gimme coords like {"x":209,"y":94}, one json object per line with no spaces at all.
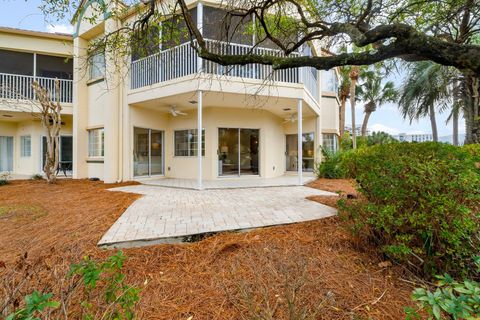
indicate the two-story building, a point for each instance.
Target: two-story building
{"x":25,"y":57}
{"x":143,"y":120}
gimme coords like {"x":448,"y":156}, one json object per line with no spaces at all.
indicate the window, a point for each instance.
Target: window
{"x":96,"y":145}
{"x":186,"y":143}
{"x":97,"y":65}
{"x":25,"y":146}
{"x":330,"y":81}
{"x":330,"y":142}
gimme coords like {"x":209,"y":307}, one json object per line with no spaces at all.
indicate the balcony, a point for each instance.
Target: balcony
{"x":182,"y":60}
{"x":19,"y":87}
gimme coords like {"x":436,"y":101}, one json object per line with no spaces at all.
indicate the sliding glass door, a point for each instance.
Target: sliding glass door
{"x":238,"y":151}
{"x":147,"y":152}
{"x":66,"y":153}
{"x":6,"y":153}
{"x":307,"y":151}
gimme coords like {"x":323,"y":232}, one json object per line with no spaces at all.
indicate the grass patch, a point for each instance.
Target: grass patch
{"x":22,"y":210}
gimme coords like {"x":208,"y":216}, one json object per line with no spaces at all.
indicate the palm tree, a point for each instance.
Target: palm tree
{"x":343,"y":93}
{"x":353,"y":75}
{"x":375,"y":94}
{"x":426,"y":86}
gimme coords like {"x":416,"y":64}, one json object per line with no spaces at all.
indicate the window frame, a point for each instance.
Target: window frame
{"x":24,"y":154}
{"x":191,"y":152}
{"x":94,"y":71}
{"x":101,"y":154}
{"x":332,"y":141}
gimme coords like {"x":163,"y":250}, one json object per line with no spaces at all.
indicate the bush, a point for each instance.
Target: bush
{"x":97,"y":290}
{"x":421,"y":204}
{"x":451,"y":298}
{"x":4,"y":177}
{"x":37,"y":176}
{"x":330,"y":167}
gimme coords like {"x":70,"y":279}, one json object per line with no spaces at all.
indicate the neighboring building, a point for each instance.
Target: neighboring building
{"x":26,"y":56}
{"x":358,"y":130}
{"x":146,"y":124}
{"x":415,"y":137}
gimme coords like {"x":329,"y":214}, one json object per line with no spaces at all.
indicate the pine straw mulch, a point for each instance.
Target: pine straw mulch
{"x":316,"y":266}
{"x":344,"y":188}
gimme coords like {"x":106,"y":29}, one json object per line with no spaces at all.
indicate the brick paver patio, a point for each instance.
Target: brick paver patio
{"x":168,"y":214}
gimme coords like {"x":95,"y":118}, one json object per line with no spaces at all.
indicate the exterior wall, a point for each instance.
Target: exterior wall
{"x":25,"y":41}
{"x":330,"y":114}
{"x":33,"y":128}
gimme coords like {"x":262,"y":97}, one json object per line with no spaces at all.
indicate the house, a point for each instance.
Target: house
{"x":141,"y":119}
{"x":25,"y":57}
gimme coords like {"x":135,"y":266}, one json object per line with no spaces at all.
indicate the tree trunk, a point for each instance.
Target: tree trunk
{"x":353,"y":86}
{"x":343,"y":102}
{"x":471,"y":96}
{"x":365,"y":123}
{"x":433,"y":121}
{"x":455,"y":126}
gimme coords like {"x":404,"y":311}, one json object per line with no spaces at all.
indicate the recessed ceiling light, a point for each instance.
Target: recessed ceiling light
{"x":7,"y":115}
{"x":193,"y":101}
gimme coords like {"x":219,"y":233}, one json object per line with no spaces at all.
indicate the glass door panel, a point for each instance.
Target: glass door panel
{"x":308,"y":147}
{"x":228,"y":151}
{"x":140,"y":151}
{"x":249,"y":140}
{"x":156,"y":153}
{"x":308,"y":152}
{"x":292,"y":152}
{"x":6,"y":154}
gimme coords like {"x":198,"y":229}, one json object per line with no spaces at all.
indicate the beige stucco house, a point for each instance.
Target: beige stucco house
{"x":140,"y":119}
{"x":27,"y":56}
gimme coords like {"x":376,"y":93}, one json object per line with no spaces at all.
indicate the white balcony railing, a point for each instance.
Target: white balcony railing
{"x":182,"y":60}
{"x":19,"y":87}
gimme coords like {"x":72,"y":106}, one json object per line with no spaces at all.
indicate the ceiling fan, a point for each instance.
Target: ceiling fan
{"x":175,"y":112}
{"x":292,"y":118}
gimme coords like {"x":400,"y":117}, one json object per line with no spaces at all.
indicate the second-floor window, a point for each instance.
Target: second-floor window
{"x":25,"y":146}
{"x":186,"y":143}
{"x":97,"y":66}
{"x":96,"y":145}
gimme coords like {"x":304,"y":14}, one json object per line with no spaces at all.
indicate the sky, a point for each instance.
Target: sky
{"x":26,"y":15}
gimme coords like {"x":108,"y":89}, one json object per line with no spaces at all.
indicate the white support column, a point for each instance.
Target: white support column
{"x":200,"y":28}
{"x":199,"y":138}
{"x":300,"y":140}
{"x":34,"y":66}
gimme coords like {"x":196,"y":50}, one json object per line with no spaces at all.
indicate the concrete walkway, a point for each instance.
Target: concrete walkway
{"x":166,"y":215}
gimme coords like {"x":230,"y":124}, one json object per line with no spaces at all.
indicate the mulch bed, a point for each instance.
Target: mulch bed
{"x":344,"y":188}
{"x":217,"y":278}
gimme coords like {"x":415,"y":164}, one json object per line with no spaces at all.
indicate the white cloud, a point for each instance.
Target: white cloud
{"x":380,"y":127}
{"x":60,"y":28}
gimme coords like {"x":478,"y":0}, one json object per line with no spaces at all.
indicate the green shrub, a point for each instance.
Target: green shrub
{"x":421,"y":204}
{"x":473,"y":150}
{"x":330,"y":167}
{"x":4,"y":177}
{"x":104,"y":294}
{"x":37,"y":176}
{"x":451,"y":299}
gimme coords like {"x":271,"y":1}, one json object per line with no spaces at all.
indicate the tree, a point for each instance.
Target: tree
{"x":382,"y":29}
{"x":426,"y":87}
{"x":380,"y":137}
{"x":343,"y":93}
{"x":45,"y":106}
{"x":353,"y":75}
{"x":374,"y":93}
